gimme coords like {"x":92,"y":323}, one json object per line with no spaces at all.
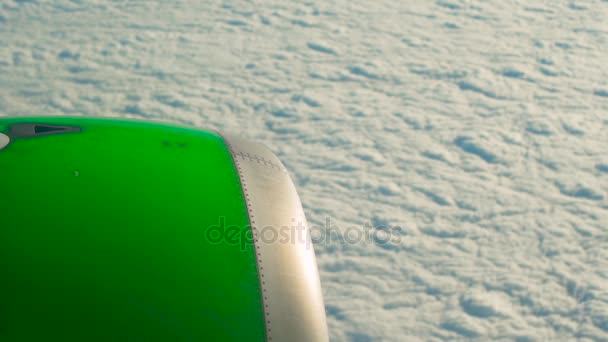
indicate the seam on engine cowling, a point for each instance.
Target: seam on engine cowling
{"x":260,"y":160}
{"x":254,"y":230}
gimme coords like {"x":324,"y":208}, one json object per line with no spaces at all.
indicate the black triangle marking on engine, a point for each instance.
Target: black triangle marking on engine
{"x":29,"y":130}
{"x":48,"y":129}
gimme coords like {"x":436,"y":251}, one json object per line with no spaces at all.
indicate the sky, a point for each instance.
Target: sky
{"x":467,"y":138}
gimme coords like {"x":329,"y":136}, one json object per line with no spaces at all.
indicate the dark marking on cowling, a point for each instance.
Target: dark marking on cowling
{"x":31,"y":130}
{"x":166,"y":143}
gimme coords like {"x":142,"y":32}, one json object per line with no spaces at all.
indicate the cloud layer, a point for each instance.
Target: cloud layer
{"x":474,"y":131}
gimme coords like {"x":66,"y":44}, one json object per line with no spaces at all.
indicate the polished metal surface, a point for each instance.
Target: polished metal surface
{"x":4,"y":140}
{"x":293,"y":303}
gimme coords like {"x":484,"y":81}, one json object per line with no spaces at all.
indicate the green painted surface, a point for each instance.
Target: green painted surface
{"x":102,"y":236}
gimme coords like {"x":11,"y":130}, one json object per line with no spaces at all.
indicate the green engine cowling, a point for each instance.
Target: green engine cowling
{"x":120,"y":230}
